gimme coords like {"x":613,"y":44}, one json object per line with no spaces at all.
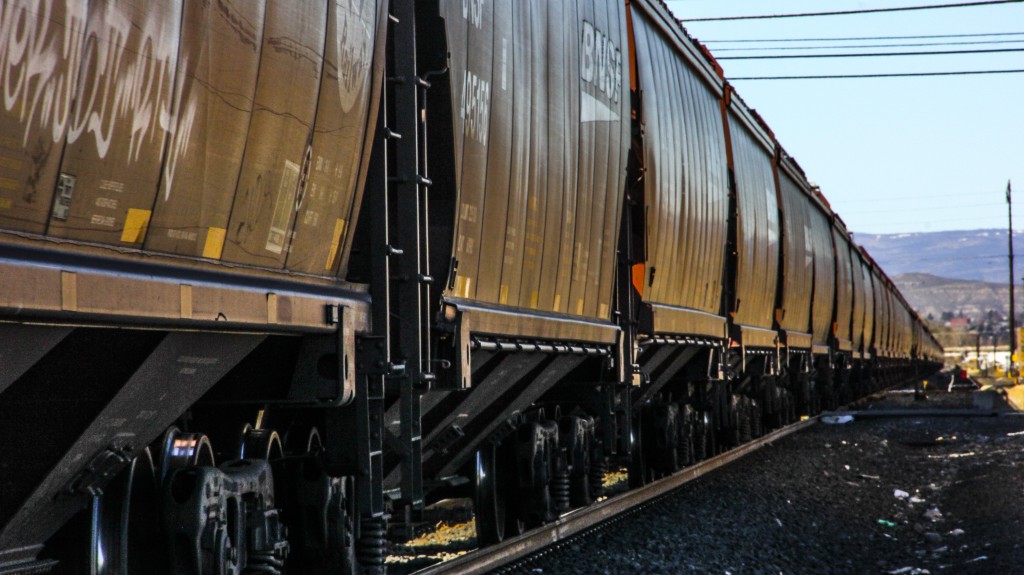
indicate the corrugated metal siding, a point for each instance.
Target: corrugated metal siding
{"x":115,"y":143}
{"x":883,"y":314}
{"x":541,"y":113}
{"x":32,"y":137}
{"x":757,"y":229}
{"x":191,"y":126}
{"x":797,"y":256}
{"x":279,"y":131}
{"x":686,"y":179}
{"x":869,"y":304}
{"x":844,"y":286}
{"x":859,"y":294}
{"x":824,"y":275}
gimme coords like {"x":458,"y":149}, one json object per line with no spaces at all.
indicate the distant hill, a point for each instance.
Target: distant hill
{"x":930,"y":294}
{"x":969,"y":255}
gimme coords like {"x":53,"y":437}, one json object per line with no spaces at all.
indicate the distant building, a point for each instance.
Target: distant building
{"x":960,"y":323}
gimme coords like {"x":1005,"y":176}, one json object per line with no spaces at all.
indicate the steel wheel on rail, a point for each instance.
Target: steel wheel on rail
{"x":125,"y":533}
{"x":319,"y":509}
{"x":181,"y":450}
{"x":489,"y":501}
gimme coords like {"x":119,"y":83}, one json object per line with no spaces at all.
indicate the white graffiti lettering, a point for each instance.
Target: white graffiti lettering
{"x":34,"y":83}
{"x":601,"y":62}
{"x":126,"y":80}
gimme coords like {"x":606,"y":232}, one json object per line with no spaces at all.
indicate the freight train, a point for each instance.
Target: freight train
{"x":274,"y":276}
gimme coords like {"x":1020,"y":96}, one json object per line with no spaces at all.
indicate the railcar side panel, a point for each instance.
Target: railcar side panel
{"x":757,"y":243}
{"x":504,"y":88}
{"x":124,"y":106}
{"x":844,"y":288}
{"x":340,"y":142}
{"x":220,"y":52}
{"x":278,"y":145}
{"x":857,"y":293}
{"x":824,"y":275}
{"x":870,"y":308}
{"x":685,"y":178}
{"x":797,"y":256}
{"x":37,"y":105}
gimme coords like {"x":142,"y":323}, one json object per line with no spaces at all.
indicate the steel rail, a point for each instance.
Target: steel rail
{"x":577,"y":521}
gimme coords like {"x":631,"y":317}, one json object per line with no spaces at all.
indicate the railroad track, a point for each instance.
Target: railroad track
{"x":580,"y":521}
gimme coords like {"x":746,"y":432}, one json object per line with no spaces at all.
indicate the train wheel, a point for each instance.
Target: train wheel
{"x":319,"y":509}
{"x":125,"y":534}
{"x":181,"y":450}
{"x":684,"y":453}
{"x":576,"y":436}
{"x":489,"y":505}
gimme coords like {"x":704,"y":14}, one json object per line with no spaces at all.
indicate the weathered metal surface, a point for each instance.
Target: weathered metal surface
{"x":757,"y":228}
{"x":867,"y":295}
{"x":824,"y":273}
{"x":844,"y":294}
{"x":32,"y":135}
{"x":230,"y":130}
{"x":191,"y":210}
{"x":857,"y":294}
{"x":685,"y":182}
{"x":120,"y":123}
{"x":275,"y":157}
{"x":541,"y":118}
{"x":797,"y":255}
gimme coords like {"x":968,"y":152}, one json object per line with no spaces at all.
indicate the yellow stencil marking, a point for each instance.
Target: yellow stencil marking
{"x":503,"y":298}
{"x":135,"y":224}
{"x":579,"y":306}
{"x":558,"y":303}
{"x":534,"y":297}
{"x":602,"y":311}
{"x":339,"y":229}
{"x":462,"y":285}
{"x":214,"y":245}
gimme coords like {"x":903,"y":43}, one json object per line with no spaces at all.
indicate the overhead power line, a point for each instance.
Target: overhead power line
{"x":861,"y":38}
{"x":852,"y":12}
{"x":898,"y":75}
{"x":872,"y":54}
{"x":863,"y":46}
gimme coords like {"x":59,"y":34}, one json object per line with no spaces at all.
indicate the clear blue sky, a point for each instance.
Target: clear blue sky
{"x":896,"y":154}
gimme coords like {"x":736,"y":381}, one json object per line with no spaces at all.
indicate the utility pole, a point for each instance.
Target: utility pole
{"x":1013,"y":321}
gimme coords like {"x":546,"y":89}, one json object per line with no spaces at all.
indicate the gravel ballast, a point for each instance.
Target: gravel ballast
{"x":899,"y":495}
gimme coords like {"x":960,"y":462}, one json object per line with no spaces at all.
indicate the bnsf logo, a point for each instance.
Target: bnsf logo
{"x":600,"y":62}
